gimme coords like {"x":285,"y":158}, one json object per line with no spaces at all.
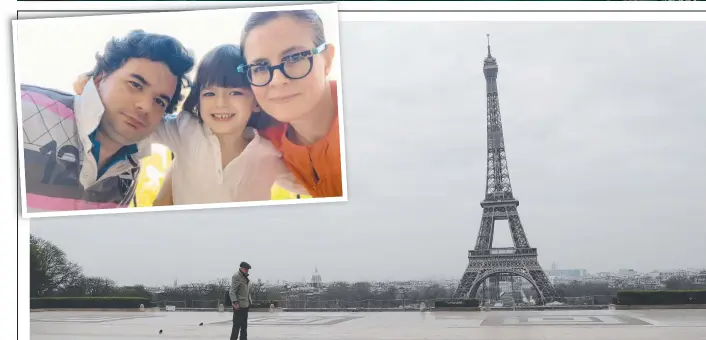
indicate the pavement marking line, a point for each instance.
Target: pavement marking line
{"x":88,"y":318}
{"x":564,"y":320}
{"x":319,"y":320}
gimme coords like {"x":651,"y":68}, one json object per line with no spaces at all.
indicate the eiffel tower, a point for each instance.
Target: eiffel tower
{"x":486,"y":262}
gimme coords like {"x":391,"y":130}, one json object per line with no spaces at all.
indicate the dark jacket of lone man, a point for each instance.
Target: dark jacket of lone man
{"x":240,"y":290}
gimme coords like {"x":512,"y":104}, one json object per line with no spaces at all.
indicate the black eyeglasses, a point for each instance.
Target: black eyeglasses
{"x":293,"y":66}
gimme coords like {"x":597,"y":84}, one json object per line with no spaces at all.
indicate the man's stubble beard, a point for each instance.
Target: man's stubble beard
{"x":109,"y":130}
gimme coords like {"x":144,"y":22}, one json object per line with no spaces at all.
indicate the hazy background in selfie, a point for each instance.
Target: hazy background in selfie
{"x":53,"y":52}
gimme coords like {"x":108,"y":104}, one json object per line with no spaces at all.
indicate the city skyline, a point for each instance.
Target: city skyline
{"x":600,"y":159}
{"x":453,"y":280}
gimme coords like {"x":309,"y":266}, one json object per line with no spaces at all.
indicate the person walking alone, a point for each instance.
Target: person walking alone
{"x":241,"y":300}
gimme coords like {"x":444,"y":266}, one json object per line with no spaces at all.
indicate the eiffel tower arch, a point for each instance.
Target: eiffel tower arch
{"x":500,"y":272}
{"x":501,"y":262}
{"x":485,"y":262}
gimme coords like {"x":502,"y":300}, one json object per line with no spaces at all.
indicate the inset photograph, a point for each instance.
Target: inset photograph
{"x":197,"y":109}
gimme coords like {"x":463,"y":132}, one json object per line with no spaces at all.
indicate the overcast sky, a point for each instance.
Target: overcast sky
{"x":207,"y":30}
{"x":604,"y":125}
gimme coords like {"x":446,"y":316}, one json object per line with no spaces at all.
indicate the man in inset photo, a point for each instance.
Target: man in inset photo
{"x":83,"y":151}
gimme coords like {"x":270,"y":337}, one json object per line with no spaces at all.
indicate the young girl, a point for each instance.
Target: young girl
{"x":287,"y":64}
{"x":219,"y":155}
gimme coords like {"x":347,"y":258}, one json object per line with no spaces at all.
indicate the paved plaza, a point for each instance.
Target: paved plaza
{"x":529,"y":325}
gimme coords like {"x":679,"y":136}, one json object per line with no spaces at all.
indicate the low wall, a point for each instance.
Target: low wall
{"x":541,"y":308}
{"x":642,"y":307}
{"x":154,"y":309}
{"x":456,"y":309}
{"x":226,"y":309}
{"x":350,"y":310}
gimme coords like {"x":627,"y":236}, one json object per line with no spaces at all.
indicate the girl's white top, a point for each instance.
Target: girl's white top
{"x":198,"y":176}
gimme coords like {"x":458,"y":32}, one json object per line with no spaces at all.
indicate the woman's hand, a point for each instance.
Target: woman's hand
{"x":80,"y":83}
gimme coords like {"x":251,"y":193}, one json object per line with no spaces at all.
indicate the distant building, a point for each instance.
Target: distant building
{"x":673,"y":274}
{"x":568,"y":273}
{"x":700,"y":279}
{"x":627,"y":272}
{"x":316,"y":282}
{"x":654,"y":274}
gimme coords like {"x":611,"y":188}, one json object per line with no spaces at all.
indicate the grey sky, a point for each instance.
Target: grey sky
{"x":604,"y":125}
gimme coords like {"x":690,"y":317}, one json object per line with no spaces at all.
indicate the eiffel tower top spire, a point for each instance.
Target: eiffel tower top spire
{"x":489,"y":55}
{"x":490,"y":66}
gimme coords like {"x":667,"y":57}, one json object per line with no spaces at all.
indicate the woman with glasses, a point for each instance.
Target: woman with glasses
{"x":287,"y":64}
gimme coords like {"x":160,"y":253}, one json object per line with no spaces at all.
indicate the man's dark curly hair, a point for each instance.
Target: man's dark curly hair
{"x":155,"y":47}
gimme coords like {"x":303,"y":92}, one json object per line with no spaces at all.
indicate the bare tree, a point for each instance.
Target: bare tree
{"x":50,"y":270}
